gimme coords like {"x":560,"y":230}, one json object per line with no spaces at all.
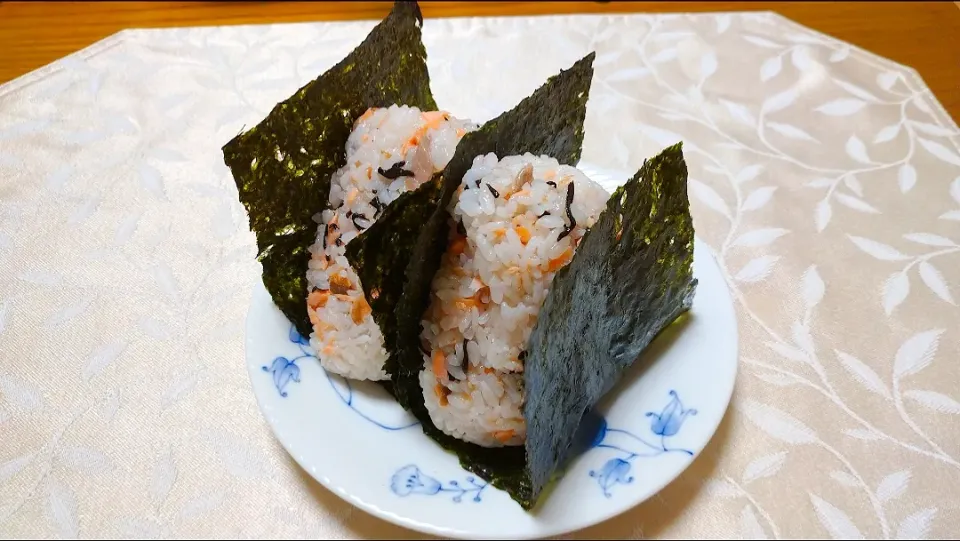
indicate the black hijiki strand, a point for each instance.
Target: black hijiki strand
{"x":493,"y":191}
{"x":377,"y":206}
{"x":477,"y":183}
{"x":522,"y":356}
{"x":552,"y":183}
{"x":325,"y":229}
{"x":545,"y":213}
{"x":349,"y":214}
{"x":355,"y":224}
{"x":396,"y":171}
{"x":466,"y":360}
{"x":338,"y":242}
{"x":573,"y":223}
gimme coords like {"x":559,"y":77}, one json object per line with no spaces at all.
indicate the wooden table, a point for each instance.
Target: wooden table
{"x":924,"y":35}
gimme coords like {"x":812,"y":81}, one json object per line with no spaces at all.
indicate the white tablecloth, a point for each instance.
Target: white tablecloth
{"x":827,"y":181}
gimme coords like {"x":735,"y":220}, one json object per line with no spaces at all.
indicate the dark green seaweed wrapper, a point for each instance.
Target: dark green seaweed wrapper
{"x":282,"y":166}
{"x":630,"y":277}
{"x":381,"y":253}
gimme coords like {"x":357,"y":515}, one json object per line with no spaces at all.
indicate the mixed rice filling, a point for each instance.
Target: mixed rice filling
{"x":390,"y":151}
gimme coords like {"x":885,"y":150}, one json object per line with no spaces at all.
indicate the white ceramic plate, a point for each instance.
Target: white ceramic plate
{"x":356,"y":441}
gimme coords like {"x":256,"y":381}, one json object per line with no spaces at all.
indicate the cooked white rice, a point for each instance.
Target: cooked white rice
{"x":492,"y":282}
{"x":386,"y":146}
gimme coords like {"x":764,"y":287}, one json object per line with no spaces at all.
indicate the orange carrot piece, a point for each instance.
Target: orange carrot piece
{"x":523,"y":233}
{"x":434,"y":119}
{"x":359,"y":310}
{"x":318,"y":298}
{"x":439,"y":365}
{"x":466,"y":304}
{"x":442,"y":393}
{"x":558,"y":262}
{"x":339,"y":285}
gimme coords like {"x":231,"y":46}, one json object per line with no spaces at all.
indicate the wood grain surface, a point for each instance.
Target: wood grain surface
{"x":923,"y":35}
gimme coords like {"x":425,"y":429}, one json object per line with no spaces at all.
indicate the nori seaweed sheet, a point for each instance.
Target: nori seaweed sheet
{"x":282,"y":166}
{"x":380,"y":253}
{"x":400,"y":264}
{"x":630,"y":278}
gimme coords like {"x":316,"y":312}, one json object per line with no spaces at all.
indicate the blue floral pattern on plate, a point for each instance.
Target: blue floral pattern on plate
{"x":410,"y":480}
{"x":285,"y":370}
{"x":664,"y":425}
